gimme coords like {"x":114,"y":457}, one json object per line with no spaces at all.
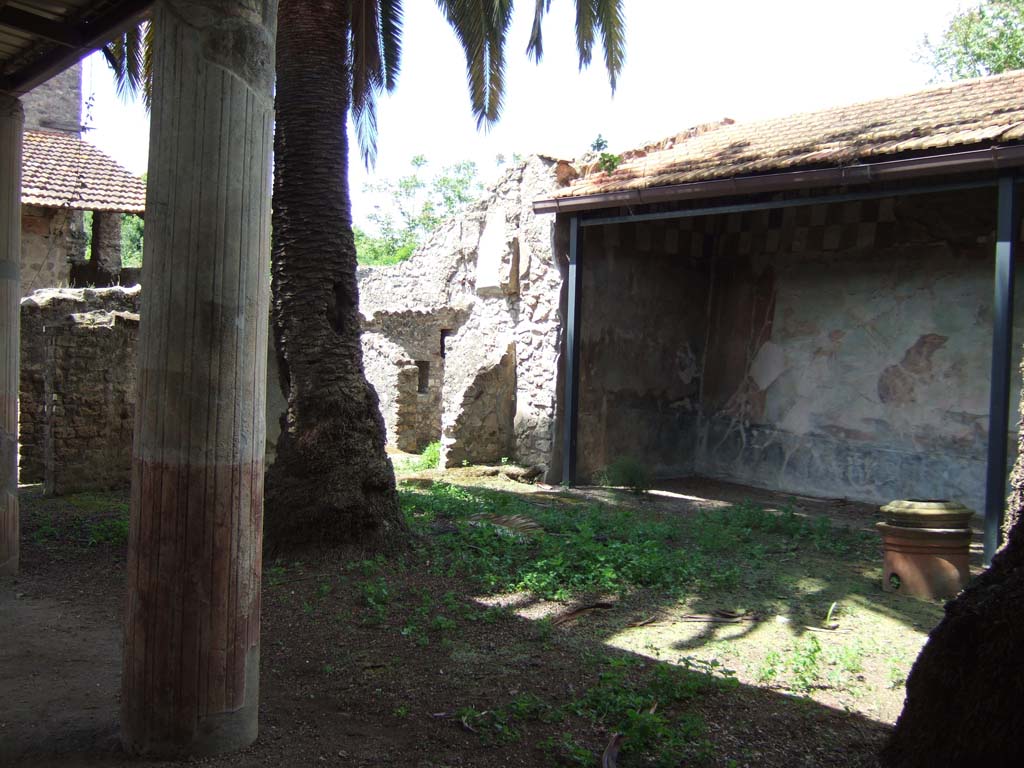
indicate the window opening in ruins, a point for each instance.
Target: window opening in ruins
{"x":445,"y":333}
{"x":424,"y":381}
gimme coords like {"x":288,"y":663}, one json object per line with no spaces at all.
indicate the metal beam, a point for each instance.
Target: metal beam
{"x":1002,"y":346}
{"x":49,"y":29}
{"x":985,"y":160}
{"x":572,"y":355}
{"x":769,"y":205}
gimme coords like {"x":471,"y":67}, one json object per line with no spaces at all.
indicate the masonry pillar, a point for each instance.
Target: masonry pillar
{"x":12,"y":119}
{"x":190,"y":683}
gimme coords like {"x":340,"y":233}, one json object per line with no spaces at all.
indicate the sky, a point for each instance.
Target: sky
{"x":687,"y":63}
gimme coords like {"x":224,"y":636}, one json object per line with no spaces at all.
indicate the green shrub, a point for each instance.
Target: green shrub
{"x":430,"y":457}
{"x":626,"y":472}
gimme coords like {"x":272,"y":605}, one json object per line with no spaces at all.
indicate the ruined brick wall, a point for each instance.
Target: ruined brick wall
{"x":404,"y":355}
{"x":90,"y":390}
{"x":382,"y":363}
{"x":490,"y":279}
{"x":51,"y":239}
{"x":40,"y":310}
{"x":103,"y":267}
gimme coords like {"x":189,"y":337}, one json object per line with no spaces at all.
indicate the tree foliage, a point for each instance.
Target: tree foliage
{"x":131,"y":240}
{"x":413,"y":207}
{"x":984,"y":40}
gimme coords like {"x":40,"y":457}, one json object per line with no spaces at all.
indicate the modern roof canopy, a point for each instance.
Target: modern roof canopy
{"x":40,"y":38}
{"x":970,"y":126}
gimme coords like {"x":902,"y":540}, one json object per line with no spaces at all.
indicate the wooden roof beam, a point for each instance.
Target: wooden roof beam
{"x":40,"y":26}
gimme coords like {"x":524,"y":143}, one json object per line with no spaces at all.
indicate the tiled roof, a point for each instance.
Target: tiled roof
{"x":60,"y":169}
{"x":966,"y":115}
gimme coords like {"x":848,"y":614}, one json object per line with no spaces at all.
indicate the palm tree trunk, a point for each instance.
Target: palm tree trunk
{"x":331,"y":483}
{"x":11,"y":122}
{"x":190,"y":682}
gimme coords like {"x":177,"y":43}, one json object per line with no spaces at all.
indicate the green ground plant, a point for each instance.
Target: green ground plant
{"x":94,"y":518}
{"x":377,"y":597}
{"x":626,"y":472}
{"x":429,"y":458}
{"x":597,"y":549}
{"x":815,"y":622}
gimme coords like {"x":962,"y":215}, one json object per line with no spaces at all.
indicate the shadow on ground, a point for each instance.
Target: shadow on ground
{"x":423,"y":674}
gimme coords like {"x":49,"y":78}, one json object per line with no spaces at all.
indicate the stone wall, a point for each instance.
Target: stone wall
{"x":847,"y":347}
{"x":404,"y":358}
{"x":41,"y":310}
{"x":90,"y":401}
{"x":857,"y":362}
{"x":489,"y":279}
{"x":644,"y":314}
{"x":56,"y":104}
{"x":51,"y":240}
{"x":103,"y":267}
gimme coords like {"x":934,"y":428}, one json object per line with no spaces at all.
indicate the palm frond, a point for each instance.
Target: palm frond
{"x":612,"y":21}
{"x":481,"y":27}
{"x":535,"y":47}
{"x":519,"y":524}
{"x":375,"y":33}
{"x":129,"y":55}
{"x":148,"y":42}
{"x":391,"y":40}
{"x":585,"y":21}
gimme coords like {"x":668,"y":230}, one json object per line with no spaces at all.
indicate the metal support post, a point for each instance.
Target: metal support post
{"x":1002,"y":343}
{"x":572,"y":355}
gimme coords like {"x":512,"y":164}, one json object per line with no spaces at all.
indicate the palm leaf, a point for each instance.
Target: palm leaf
{"x":535,"y":47}
{"x":612,"y":22}
{"x":129,"y":55}
{"x":585,"y":21}
{"x":391,"y":40}
{"x":375,"y":48}
{"x":519,"y":524}
{"x":481,"y":27}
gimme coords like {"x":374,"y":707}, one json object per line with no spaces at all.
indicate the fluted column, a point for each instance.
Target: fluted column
{"x":12,"y":119}
{"x":191,"y":652}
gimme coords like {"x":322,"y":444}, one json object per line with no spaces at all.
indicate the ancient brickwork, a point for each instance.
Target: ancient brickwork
{"x":104,"y":265}
{"x":56,"y":105}
{"x":90,"y":401}
{"x":488,"y":282}
{"x":42,"y":310}
{"x":404,"y":356}
{"x":52,"y":239}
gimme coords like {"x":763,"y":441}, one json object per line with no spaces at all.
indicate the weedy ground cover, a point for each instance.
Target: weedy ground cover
{"x":536,"y":628}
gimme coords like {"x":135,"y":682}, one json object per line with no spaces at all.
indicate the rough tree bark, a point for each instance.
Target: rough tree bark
{"x":12,"y":120}
{"x":966,"y":689}
{"x":331,"y":483}
{"x":190,"y":682}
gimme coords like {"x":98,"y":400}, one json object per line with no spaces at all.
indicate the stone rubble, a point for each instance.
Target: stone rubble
{"x":478,"y":304}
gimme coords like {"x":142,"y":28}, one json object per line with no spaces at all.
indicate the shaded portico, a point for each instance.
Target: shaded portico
{"x":191,"y":652}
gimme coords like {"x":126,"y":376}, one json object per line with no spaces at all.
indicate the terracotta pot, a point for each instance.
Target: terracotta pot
{"x":930,"y":563}
{"x":931,"y":513}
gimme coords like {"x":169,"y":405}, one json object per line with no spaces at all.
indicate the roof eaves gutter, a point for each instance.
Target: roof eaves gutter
{"x":971,"y":161}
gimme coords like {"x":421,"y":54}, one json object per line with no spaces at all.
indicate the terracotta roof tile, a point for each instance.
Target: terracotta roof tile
{"x":60,"y":169}
{"x":962,"y":115}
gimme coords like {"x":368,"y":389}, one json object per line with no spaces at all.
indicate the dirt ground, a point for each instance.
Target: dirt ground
{"x":345,"y":681}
